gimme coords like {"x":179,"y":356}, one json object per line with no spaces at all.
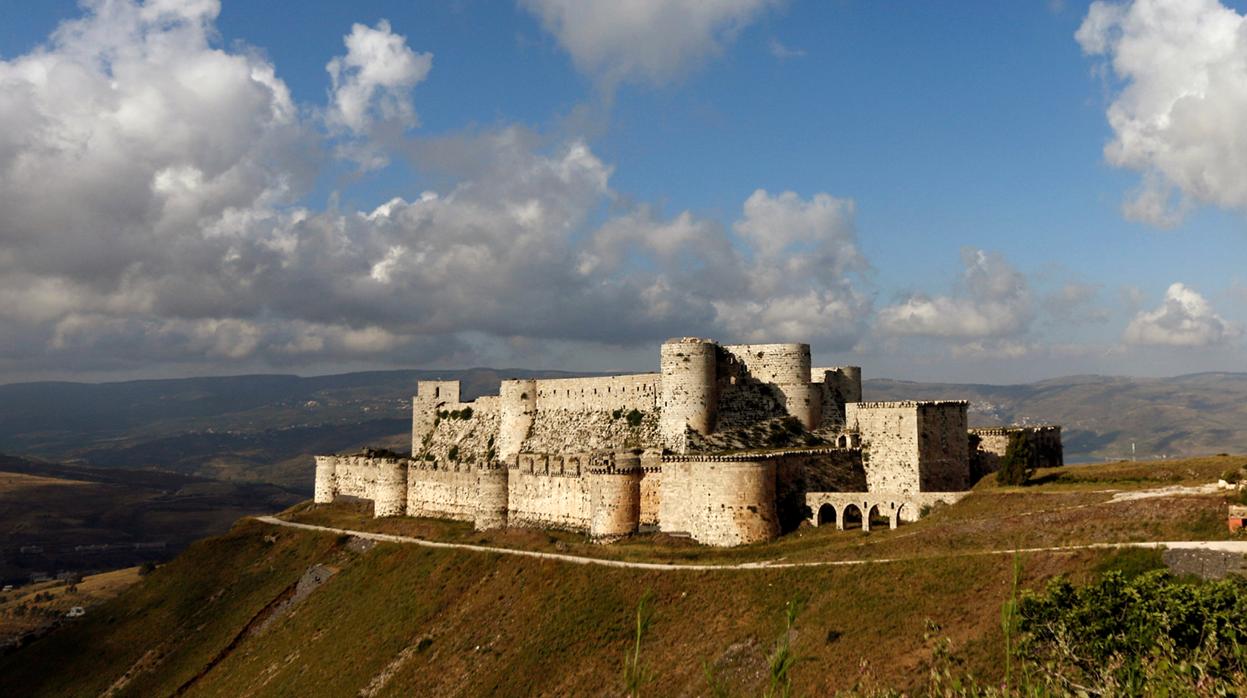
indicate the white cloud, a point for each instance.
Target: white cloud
{"x":1177,"y":117}
{"x":147,"y":180}
{"x":375,"y":78}
{"x":650,"y":41}
{"x":1183,"y":319}
{"x":782,"y":52}
{"x":993,"y":300}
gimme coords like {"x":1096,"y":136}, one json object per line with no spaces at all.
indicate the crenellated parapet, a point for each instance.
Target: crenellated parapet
{"x":722,"y":444}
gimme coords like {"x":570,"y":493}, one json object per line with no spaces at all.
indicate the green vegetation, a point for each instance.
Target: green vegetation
{"x":1019,"y":461}
{"x":634,"y":417}
{"x":1123,"y":636}
{"x":636,"y":674}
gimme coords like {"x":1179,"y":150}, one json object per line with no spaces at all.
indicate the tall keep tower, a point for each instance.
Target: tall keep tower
{"x":690,"y":396}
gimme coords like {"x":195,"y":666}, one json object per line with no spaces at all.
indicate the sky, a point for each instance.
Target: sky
{"x":972,"y":191}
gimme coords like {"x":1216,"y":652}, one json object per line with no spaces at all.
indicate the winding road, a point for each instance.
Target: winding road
{"x":1231,"y":546}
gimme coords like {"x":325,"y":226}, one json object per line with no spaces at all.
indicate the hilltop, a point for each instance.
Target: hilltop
{"x":269,"y":610}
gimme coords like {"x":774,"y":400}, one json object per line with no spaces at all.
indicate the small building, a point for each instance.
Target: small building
{"x":1237,"y":517}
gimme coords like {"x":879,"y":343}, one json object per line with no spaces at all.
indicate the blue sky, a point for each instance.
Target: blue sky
{"x":932,"y":176}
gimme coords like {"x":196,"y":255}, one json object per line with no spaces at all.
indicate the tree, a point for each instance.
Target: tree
{"x":1019,"y":461}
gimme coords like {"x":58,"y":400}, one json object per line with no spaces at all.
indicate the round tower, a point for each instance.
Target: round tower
{"x":389,"y":496}
{"x":689,"y":389}
{"x":491,"y":497}
{"x":519,"y":408}
{"x":326,"y":479}
{"x":736,"y":502}
{"x":615,"y":497}
{"x":805,"y":402}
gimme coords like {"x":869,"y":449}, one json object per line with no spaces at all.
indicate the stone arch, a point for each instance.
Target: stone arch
{"x":896,"y":515}
{"x":851,"y":515}
{"x":879,"y":514}
{"x":827,"y":514}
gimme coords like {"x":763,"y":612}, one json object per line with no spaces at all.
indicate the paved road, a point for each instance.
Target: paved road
{"x":1217,"y":545}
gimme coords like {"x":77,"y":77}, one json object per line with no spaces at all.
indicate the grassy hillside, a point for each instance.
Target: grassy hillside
{"x":230,"y":617}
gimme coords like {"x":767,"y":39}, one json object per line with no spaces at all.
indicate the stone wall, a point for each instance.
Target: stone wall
{"x":727,"y":501}
{"x":993,"y":442}
{"x":943,"y":446}
{"x":912,"y":446}
{"x":547,"y":500}
{"x":443,"y":494}
{"x":459,"y":439}
{"x":564,"y":431}
{"x":602,"y":394}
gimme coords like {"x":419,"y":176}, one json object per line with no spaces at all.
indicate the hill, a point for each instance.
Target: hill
{"x":269,"y":610}
{"x":1104,"y":415}
{"x":258,"y":428}
{"x":266,"y":427}
{"x":59,"y":518}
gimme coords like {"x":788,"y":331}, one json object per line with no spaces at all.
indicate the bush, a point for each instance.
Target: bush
{"x":453,"y":454}
{"x":635,"y":417}
{"x":1121,"y":636}
{"x":466,"y":413}
{"x":1019,"y":461}
{"x":147,"y":568}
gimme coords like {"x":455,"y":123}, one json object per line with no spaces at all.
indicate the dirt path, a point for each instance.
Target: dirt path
{"x":1216,"y":545}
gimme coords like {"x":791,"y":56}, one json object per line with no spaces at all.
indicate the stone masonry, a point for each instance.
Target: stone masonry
{"x":727,"y":444}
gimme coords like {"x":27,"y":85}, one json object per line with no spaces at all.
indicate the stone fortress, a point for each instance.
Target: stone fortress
{"x":727,"y":444}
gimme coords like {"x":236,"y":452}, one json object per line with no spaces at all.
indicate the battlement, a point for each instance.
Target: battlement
{"x":607,"y":455}
{"x":1017,"y":429}
{"x":899,"y":404}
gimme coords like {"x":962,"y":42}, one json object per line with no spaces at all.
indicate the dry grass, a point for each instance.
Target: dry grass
{"x":55,"y":600}
{"x":1070,"y":506}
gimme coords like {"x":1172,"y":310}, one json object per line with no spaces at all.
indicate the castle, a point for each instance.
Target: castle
{"x":727,"y":444}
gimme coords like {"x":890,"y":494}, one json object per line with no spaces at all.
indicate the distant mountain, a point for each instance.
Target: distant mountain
{"x":258,"y":427}
{"x":1103,"y":415}
{"x":266,"y":427}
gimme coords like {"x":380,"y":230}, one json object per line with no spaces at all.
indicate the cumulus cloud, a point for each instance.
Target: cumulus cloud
{"x":1177,"y":115}
{"x":375,"y":78}
{"x":992,"y":300}
{"x":1183,"y":319}
{"x":147,"y":180}
{"x":647,"y":41}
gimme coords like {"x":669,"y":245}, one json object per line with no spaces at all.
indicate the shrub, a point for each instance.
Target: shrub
{"x":147,"y":568}
{"x":1018,"y":463}
{"x":453,"y":454}
{"x":466,"y":413}
{"x":635,"y":417}
{"x":1121,"y":636}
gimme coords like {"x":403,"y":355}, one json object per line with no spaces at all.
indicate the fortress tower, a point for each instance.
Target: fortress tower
{"x":690,"y":396}
{"x":491,"y":496}
{"x":518,"y":410}
{"x":615,"y":496}
{"x":787,"y":367}
{"x":390,"y":493}
{"x":326,"y":479}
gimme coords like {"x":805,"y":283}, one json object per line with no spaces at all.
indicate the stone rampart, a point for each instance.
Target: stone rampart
{"x":780,"y":364}
{"x":602,"y":394}
{"x":545,"y":500}
{"x":943,"y":447}
{"x":991,"y":444}
{"x":443,"y":494}
{"x":326,"y":479}
{"x":720,"y":502}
